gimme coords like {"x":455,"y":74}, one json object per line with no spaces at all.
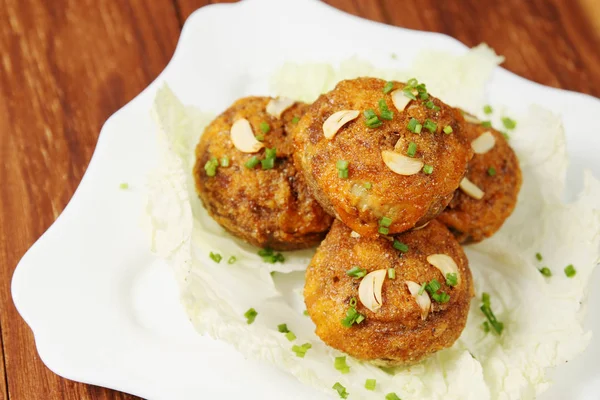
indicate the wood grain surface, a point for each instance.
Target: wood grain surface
{"x":66,"y":65}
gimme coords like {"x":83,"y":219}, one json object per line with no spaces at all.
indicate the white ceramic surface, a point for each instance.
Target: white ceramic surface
{"x":105,"y":311}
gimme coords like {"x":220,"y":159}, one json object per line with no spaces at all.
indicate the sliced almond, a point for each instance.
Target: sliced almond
{"x":336,"y":120}
{"x":355,"y":235}
{"x":471,"y":119}
{"x":445,"y":264}
{"x":278,"y":105}
{"x":471,"y":189}
{"x":423,"y":300}
{"x":399,"y":99}
{"x":401,"y":164}
{"x":484,"y":143}
{"x":243,"y":138}
{"x":369,"y":290}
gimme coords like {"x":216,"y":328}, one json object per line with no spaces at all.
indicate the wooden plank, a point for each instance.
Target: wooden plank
{"x":553,"y":42}
{"x":65,"y":66}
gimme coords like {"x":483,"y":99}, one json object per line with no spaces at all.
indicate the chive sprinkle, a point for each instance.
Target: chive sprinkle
{"x":486,"y":124}
{"x":124,"y":185}
{"x":383,"y":230}
{"x":338,"y":387}
{"x":546,"y":272}
{"x":388,"y":87}
{"x":491,"y":171}
{"x":260,"y":137}
{"x":211,"y":167}
{"x":352,"y":316}
{"x":412,"y":124}
{"x":391,"y":273}
{"x":448,"y":129}
{"x":216,"y":257}
{"x":252,"y":162}
{"x":283,"y":328}
{"x":422,"y":289}
{"x":485,"y":299}
{"x":250,"y":315}
{"x":232,"y":260}
{"x":301,"y":350}
{"x":385,"y":221}
{"x":487,"y":109}
{"x":570,"y":271}
{"x":427,"y":169}
{"x":451,"y":279}
{"x":342,"y":167}
{"x":384,"y":111}
{"x":368,"y":185}
{"x":392,"y":396}
{"x":400,"y":246}
{"x":295,"y":120}
{"x":485,"y":326}
{"x":264,"y":127}
{"x":408,"y":93}
{"x":430,"y":126}
{"x":269,"y":160}
{"x":538,"y":256}
{"x":356,"y":272}
{"x":305,"y":312}
{"x":486,"y":309}
{"x":340,"y":365}
{"x":370,"y":384}
{"x":290,"y":336}
{"x":271,"y":257}
{"x":418,"y":128}
{"x":224,"y":161}
{"x":371,"y":119}
{"x":441,"y":297}
{"x":509,"y":123}
{"x":412,"y":149}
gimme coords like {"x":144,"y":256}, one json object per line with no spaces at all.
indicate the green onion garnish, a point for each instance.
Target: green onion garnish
{"x":271,"y":153}
{"x":342,"y":167}
{"x":260,"y":137}
{"x":340,"y":365}
{"x":341,"y":390}
{"x":441,"y":297}
{"x":301,"y":350}
{"x":485,"y":326}
{"x":391,"y":273}
{"x":491,"y":171}
{"x":422,"y":289}
{"x":252,"y":162}
{"x":385,"y":221}
{"x":368,"y":185}
{"x":353,"y":302}
{"x":264,"y":127}
{"x":270,"y":257}
{"x":427,"y":169}
{"x":232,"y":260}
{"x":383,"y":230}
{"x":400,"y":246}
{"x":268,"y":163}
{"x":418,"y":128}
{"x":216,"y":257}
{"x":489,"y":314}
{"x":570,"y":271}
{"x":124,"y":185}
{"x":538,"y":256}
{"x":371,"y":119}
{"x":509,"y":123}
{"x":352,"y":316}
{"x":356,"y":272}
{"x":408,"y":93}
{"x":412,"y":82}
{"x":546,"y":272}
{"x":451,"y":279}
{"x":384,"y":110}
{"x":290,"y":336}
{"x":392,"y":396}
{"x":283,"y":328}
{"x":370,"y":384}
{"x":430,"y":104}
{"x":250,"y":315}
{"x":448,"y":129}
{"x":388,"y":87}
{"x":430,"y":126}
{"x":486,"y":124}
{"x":295,"y":120}
{"x":488,"y":109}
{"x":412,"y":124}
{"x":412,"y":149}
{"x":305,"y":312}
{"x":224,"y":161}
{"x":433,"y":286}
{"x":211,"y":167}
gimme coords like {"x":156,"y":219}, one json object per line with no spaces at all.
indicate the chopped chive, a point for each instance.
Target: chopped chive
{"x":487,"y":109}
{"x":486,"y":309}
{"x":400,"y":246}
{"x":388,"y":87}
{"x":491,"y":171}
{"x":430,"y":126}
{"x":271,"y":153}
{"x":268,"y":163}
{"x":211,"y":167}
{"x":546,"y":272}
{"x":412,"y":149}
{"x":356,"y":272}
{"x":384,"y":110}
{"x":295,"y":120}
{"x":451,"y":279}
{"x":486,"y":124}
{"x":301,"y":350}
{"x":429,"y":104}
{"x":260,"y":137}
{"x":412,"y":124}
{"x":427,"y":169}
{"x":509,"y":123}
{"x":338,"y":387}
{"x":224,"y":161}
{"x":283,"y":328}
{"x":252,"y":162}
{"x":341,"y":164}
{"x":485,"y":326}
{"x":433,"y":286}
{"x":368,"y":185}
{"x":264,"y":127}
{"x":340,"y":365}
{"x":371,"y":119}
{"x":250,"y":315}
{"x":232,"y":260}
{"x":485,"y":298}
{"x":408,"y":93}
{"x":506,"y":135}
{"x":418,"y":128}
{"x":290,"y":336}
{"x":353,"y":302}
{"x":570,"y":271}
{"x":305,"y":312}
{"x":422,"y":289}
{"x":441,"y":297}
{"x":538,"y":256}
{"x":343,"y":173}
{"x":385,"y":221}
{"x":124,"y":185}
{"x":360,"y":318}
{"x":448,"y":129}
{"x":216,"y":257}
{"x":392,"y":396}
{"x":383,"y":230}
{"x":412,"y":82}
{"x":370,"y":384}
{"x":391,"y":273}
{"x":270,"y":257}
{"x":352,"y":316}
{"x":369,"y":113}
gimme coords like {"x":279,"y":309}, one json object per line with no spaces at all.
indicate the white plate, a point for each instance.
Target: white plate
{"x":104,"y":311}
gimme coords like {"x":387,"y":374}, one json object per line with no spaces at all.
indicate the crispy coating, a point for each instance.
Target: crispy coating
{"x":267,"y":208}
{"x":408,"y":200}
{"x":395,"y":334}
{"x":473,"y":220}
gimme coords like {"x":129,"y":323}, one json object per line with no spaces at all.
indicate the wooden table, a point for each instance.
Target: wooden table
{"x":67,"y":65}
